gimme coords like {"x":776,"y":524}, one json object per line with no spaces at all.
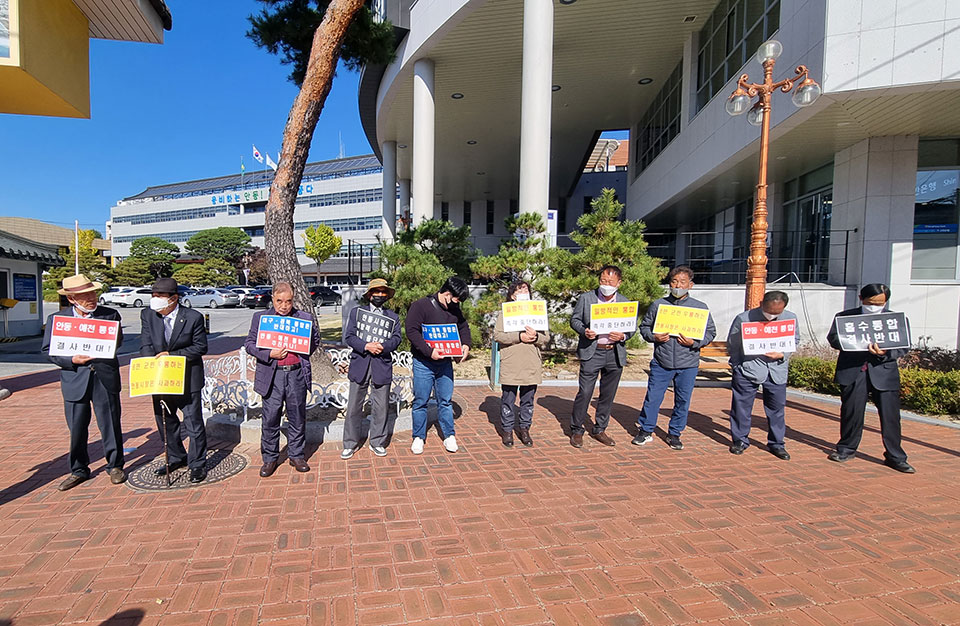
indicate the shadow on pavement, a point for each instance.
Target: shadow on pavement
{"x":127,"y":617}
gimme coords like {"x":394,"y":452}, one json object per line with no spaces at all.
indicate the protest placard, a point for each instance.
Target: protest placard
{"x":763,"y":337}
{"x":681,"y":320}
{"x":157,"y":375}
{"x":519,"y":314}
{"x":887,"y":330}
{"x":373,"y":327}
{"x":87,"y":336}
{"x":444,"y":337}
{"x":284,"y":331}
{"x":609,"y":317}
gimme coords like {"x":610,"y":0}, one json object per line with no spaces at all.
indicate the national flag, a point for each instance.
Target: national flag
{"x":242,"y":168}
{"x":270,"y":163}
{"x":257,"y":155}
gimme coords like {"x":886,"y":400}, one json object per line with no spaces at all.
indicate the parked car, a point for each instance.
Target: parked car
{"x":259,"y":298}
{"x":213,"y":298}
{"x":107,"y":297}
{"x":323,"y":295}
{"x":135,"y":297}
{"x":243,"y":292}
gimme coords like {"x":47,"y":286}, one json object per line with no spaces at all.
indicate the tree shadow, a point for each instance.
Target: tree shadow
{"x":126,"y":617}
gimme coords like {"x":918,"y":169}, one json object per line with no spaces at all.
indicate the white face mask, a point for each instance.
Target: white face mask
{"x":770,"y":316}
{"x":84,"y":309}
{"x":521,"y":295}
{"x":608,"y":290}
{"x":677,"y":292}
{"x":872,"y":308}
{"x":159,"y":304}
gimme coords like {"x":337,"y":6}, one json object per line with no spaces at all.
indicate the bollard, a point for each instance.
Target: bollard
{"x":206,"y":322}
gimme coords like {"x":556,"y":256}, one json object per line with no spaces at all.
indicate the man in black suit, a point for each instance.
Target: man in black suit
{"x":85,"y":380}
{"x":170,"y":329}
{"x":870,"y":372}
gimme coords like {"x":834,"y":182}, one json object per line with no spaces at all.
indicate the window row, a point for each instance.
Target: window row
{"x":661,"y":123}
{"x":347,"y":197}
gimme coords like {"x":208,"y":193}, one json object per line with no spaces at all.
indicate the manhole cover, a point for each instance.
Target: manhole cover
{"x":221,"y":464}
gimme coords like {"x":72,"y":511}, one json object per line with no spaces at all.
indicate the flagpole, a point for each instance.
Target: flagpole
{"x":76,"y":247}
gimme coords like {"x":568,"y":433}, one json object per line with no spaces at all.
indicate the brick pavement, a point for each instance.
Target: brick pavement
{"x":550,"y":534}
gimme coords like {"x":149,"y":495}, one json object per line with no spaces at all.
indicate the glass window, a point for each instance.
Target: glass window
{"x":467,"y":213}
{"x":661,"y":122}
{"x":445,"y":211}
{"x":935,"y":219}
{"x":490,"y":217}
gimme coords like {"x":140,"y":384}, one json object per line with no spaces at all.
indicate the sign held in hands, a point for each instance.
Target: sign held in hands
{"x":443,"y":337}
{"x":613,"y":317}
{"x":519,"y":314}
{"x":774,"y":336}
{"x":887,"y":330}
{"x":162,"y":375}
{"x":681,"y":320}
{"x":372,"y":327}
{"x":86,"y":336}
{"x":278,"y":332}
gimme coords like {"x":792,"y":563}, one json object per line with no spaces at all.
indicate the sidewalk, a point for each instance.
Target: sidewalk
{"x":490,"y":535}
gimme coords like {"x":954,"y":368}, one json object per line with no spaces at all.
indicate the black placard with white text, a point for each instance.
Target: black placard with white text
{"x":887,"y":330}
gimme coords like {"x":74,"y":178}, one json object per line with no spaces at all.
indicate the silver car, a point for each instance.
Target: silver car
{"x":212,"y":298}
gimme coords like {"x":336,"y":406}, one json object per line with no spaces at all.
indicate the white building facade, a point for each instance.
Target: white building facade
{"x":496,"y":104}
{"x":346,"y":194}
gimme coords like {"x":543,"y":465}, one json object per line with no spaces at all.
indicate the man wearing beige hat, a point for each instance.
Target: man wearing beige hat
{"x":85,"y":380}
{"x":373,"y":331}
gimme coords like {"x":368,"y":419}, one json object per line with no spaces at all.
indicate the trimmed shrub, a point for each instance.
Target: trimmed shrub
{"x":809,"y":372}
{"x":930,"y":391}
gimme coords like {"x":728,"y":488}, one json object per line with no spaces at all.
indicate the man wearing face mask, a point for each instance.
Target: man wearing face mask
{"x":432,"y":372}
{"x":602,"y":356}
{"x":170,"y":329}
{"x":873,"y":372}
{"x":371,"y":368}
{"x":752,"y":371}
{"x":85,"y":380}
{"x":675,"y":359}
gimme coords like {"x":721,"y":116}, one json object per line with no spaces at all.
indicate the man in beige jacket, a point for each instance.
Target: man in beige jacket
{"x":521,"y":370}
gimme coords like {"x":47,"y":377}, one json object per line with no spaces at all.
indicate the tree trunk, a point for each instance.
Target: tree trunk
{"x":301,"y":123}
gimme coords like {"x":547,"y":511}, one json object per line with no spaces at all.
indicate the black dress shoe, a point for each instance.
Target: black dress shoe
{"x":72,"y":481}
{"x":900,"y":466}
{"x":300,"y":465}
{"x":162,"y":470}
{"x":268,"y":469}
{"x":198,"y":475}
{"x":839,"y":458}
{"x":507,"y":439}
{"x":738,"y":447}
{"x":524,"y":434}
{"x":780,"y":452}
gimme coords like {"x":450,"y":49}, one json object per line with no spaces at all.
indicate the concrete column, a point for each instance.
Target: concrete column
{"x":389,"y":151}
{"x":404,"y":197}
{"x":535,"y":106}
{"x":424,"y":121}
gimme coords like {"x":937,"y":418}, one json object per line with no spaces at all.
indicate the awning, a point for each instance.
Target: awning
{"x":13,"y":247}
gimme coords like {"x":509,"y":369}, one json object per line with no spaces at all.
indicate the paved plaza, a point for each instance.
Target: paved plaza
{"x":549,"y":534}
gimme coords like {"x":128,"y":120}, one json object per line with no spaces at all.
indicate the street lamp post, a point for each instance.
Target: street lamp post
{"x":759,"y":115}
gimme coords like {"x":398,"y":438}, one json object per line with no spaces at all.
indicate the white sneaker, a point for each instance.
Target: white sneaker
{"x":450,"y":443}
{"x":417,"y":447}
{"x":347,"y":453}
{"x":378,"y":450}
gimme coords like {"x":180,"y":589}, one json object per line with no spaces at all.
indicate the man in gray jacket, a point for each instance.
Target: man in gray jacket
{"x":676,"y":359}
{"x":600,"y":355}
{"x":751,"y":371}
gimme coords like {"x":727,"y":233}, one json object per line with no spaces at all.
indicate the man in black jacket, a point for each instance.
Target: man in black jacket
{"x":85,"y":380}
{"x":170,"y":329}
{"x":871,"y":372}
{"x":431,"y":371}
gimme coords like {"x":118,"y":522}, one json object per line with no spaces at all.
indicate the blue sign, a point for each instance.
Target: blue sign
{"x":25,"y":287}
{"x":284,"y":332}
{"x":443,"y":337}
{"x":929,"y":229}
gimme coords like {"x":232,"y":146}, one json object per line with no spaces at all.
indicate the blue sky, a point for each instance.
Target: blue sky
{"x":182,"y":110}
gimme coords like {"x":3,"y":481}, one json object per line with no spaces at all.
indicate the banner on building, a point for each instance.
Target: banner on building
{"x":887,"y":330}
{"x":522,"y":313}
{"x":443,"y":337}
{"x":373,"y":327}
{"x":72,"y":336}
{"x":613,"y":317}
{"x":681,"y":320}
{"x":763,"y":337}
{"x":157,"y":375}
{"x":278,"y":332}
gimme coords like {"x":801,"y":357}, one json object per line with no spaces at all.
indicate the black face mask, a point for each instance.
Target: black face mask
{"x":378,"y":301}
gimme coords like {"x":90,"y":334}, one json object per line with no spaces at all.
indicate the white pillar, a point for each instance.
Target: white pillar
{"x":535,"y":106}
{"x":405,"y":197}
{"x":389,"y":151}
{"x":424,"y":112}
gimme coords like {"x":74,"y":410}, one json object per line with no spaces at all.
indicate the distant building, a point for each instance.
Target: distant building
{"x":49,"y":235}
{"x":22,"y":263}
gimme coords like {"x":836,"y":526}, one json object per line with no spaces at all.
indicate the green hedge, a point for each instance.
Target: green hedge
{"x":922,"y":390}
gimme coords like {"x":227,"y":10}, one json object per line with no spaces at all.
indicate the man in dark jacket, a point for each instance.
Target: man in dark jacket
{"x":676,"y":359}
{"x":871,"y":372}
{"x":602,"y":356}
{"x":282,"y":379}
{"x":431,"y":371}
{"x":170,"y":329}
{"x":373,"y":332}
{"x":85,"y":380}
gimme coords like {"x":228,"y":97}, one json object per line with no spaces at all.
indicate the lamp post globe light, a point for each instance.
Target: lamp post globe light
{"x":807,"y":92}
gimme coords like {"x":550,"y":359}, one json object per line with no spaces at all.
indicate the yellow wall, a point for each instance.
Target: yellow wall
{"x":53,"y":77}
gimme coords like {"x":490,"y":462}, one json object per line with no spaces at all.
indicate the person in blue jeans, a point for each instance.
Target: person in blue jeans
{"x":431,"y":371}
{"x":676,"y":359}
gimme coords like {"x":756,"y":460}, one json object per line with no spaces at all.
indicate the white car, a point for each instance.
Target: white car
{"x":108,"y":296}
{"x":243,"y":292}
{"x":135,"y":297}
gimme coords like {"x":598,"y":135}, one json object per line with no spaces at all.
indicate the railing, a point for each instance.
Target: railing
{"x":228,"y":383}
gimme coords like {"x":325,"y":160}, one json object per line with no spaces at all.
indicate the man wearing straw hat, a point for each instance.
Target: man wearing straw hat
{"x":85,"y":380}
{"x":373,"y":331}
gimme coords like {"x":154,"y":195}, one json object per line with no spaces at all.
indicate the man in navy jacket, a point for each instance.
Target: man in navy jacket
{"x":373,"y":340}
{"x":282,"y":378}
